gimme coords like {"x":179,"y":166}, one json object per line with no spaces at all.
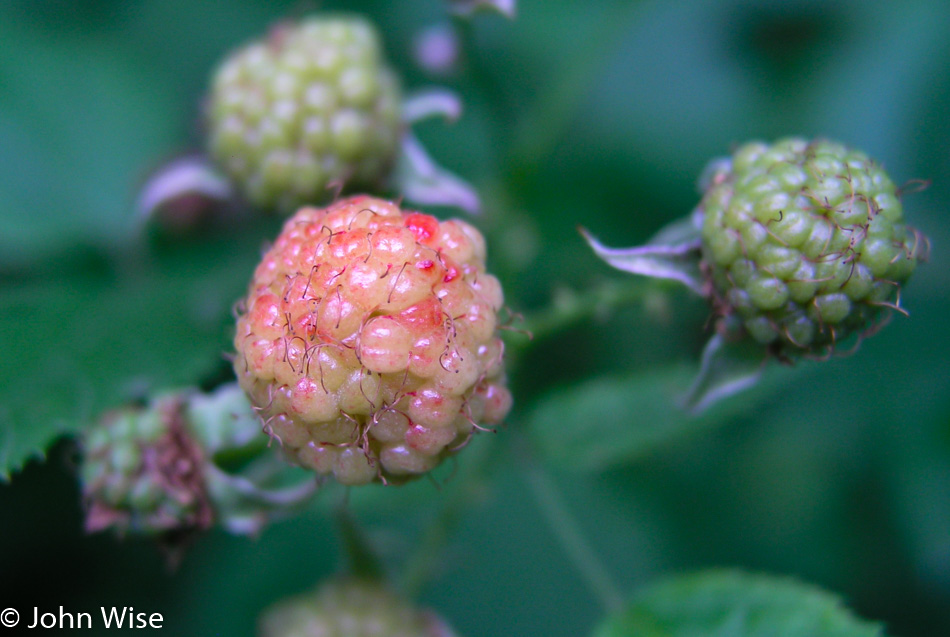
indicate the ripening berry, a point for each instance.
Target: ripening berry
{"x":368,"y":340}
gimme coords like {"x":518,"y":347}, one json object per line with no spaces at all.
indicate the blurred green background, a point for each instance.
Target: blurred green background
{"x":599,"y":114}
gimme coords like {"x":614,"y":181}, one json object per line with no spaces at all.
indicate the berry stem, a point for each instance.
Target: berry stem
{"x":284,"y":498}
{"x":569,"y":308}
{"x":568,"y":533}
{"x":362,"y":560}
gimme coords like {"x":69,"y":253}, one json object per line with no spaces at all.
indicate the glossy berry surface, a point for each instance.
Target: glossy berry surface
{"x":309,"y":110}
{"x":804,"y":243}
{"x":368,"y":340}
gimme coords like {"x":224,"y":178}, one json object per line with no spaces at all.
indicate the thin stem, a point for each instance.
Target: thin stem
{"x":281,"y":499}
{"x":428,"y":555}
{"x":425,"y":560}
{"x":363,"y":561}
{"x":572,"y":540}
{"x":569,"y":308}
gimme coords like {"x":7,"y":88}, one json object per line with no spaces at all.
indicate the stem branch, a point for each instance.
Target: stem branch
{"x":569,"y":308}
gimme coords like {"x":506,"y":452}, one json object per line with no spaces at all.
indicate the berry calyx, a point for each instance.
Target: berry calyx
{"x":368,"y":340}
{"x":311,"y":109}
{"x":804,"y":244}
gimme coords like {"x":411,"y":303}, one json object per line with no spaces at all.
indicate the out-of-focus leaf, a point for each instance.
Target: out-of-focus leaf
{"x":81,"y":338}
{"x":614,"y":419}
{"x":80,"y":125}
{"x":735,"y":604}
{"x":918,"y":472}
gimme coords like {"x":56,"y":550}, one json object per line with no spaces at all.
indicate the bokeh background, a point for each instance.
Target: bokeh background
{"x":600,"y":114}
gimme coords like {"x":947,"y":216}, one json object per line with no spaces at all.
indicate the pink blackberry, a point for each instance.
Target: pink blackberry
{"x":368,"y":340}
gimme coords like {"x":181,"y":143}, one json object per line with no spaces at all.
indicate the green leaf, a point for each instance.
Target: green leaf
{"x":84,"y":335}
{"x":735,"y":604}
{"x":614,"y":419}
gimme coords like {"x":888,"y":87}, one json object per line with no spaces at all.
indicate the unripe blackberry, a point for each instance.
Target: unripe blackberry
{"x":350,"y":608}
{"x":804,"y":243}
{"x":368,"y":340}
{"x":310,"y":108}
{"x":143,"y":471}
{"x":157,"y":468}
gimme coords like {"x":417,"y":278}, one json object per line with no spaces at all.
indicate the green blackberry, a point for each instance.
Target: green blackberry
{"x":143,"y":471}
{"x":804,"y":245}
{"x":161,"y":468}
{"x":311,"y":109}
